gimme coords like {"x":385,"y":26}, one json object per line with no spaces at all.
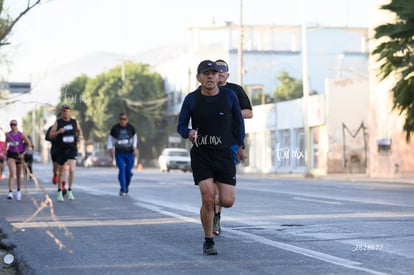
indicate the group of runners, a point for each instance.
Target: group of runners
{"x":216,"y":109}
{"x":16,"y":149}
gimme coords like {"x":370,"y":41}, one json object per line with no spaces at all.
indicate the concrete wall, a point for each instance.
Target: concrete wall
{"x":276,"y":137}
{"x":347,"y":113}
{"x":386,"y":124}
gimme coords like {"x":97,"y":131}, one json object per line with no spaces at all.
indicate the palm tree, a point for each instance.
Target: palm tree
{"x":396,"y":55}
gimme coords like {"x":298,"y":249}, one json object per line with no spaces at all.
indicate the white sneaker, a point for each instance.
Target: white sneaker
{"x":18,"y":195}
{"x":60,"y":196}
{"x":70,"y":195}
{"x":10,"y":196}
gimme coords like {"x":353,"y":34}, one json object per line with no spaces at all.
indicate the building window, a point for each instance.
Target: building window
{"x":283,"y":149}
{"x":300,"y":148}
{"x":274,"y":145}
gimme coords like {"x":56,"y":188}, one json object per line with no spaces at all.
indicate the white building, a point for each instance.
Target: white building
{"x":337,"y":128}
{"x":276,"y":134}
{"x":333,"y":52}
{"x":11,"y":95}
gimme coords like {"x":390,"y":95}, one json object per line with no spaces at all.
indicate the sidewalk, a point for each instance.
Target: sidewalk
{"x":365,"y":178}
{"x":337,"y":176}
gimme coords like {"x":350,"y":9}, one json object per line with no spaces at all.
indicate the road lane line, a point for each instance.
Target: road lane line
{"x":316,"y":200}
{"x":159,"y":205}
{"x":307,"y":252}
{"x":91,"y":223}
{"x":288,"y":247}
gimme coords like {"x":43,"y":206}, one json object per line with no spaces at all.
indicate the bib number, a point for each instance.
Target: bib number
{"x":68,"y":139}
{"x":123,"y":141}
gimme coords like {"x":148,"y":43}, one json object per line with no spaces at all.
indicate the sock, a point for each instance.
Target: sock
{"x":217,"y":214}
{"x":59,"y":190}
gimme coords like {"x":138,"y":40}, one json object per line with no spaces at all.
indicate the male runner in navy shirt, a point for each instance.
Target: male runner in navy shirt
{"x":212,"y":110}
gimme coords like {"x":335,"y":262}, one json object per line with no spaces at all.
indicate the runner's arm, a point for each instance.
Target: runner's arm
{"x":54,"y":131}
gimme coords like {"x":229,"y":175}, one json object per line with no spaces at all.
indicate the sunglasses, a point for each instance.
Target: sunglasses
{"x":13,"y":124}
{"x":222,"y":68}
{"x":123,"y":118}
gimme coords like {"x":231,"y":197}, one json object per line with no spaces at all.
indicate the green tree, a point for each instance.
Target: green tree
{"x":7,"y":22}
{"x":130,"y":88}
{"x":290,"y":88}
{"x":396,"y":54}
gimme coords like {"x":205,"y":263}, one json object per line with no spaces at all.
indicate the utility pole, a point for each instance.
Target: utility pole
{"x":240,"y":50}
{"x":305,"y":82}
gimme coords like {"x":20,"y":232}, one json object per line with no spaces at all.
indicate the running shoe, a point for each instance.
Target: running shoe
{"x":122,"y":193}
{"x":70,"y":195}
{"x":59,"y":196}
{"x":18,"y":195}
{"x":54,"y":179}
{"x":209,"y":249}
{"x":10,"y":196}
{"x":216,"y":225}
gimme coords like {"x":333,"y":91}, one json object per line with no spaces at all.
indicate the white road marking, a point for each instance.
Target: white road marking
{"x":288,"y":247}
{"x":157,"y":206}
{"x":316,"y":200}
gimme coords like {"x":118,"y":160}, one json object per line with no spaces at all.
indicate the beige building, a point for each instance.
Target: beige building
{"x":337,"y":125}
{"x":389,"y":155}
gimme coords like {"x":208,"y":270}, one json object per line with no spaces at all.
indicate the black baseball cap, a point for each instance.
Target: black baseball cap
{"x":207,"y":65}
{"x":65,"y":107}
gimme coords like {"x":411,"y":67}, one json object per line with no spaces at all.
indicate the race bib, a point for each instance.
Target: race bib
{"x":123,"y":141}
{"x":14,"y":143}
{"x":68,"y":127}
{"x":68,"y":139}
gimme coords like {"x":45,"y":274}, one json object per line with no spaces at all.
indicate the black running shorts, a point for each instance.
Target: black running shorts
{"x":216,"y":164}
{"x":14,"y":155}
{"x":63,"y":155}
{"x":53,"y":154}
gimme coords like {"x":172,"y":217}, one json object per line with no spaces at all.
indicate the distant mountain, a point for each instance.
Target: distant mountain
{"x":48,"y":88}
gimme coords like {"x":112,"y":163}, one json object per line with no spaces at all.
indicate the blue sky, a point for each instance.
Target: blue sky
{"x":63,"y":30}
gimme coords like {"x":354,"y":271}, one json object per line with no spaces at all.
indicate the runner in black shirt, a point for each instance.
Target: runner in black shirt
{"x":211,"y":110}
{"x":247,"y":112}
{"x":67,"y":132}
{"x":122,"y":144}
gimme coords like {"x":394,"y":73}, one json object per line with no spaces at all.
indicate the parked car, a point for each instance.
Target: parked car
{"x":174,"y":158}
{"x":99,"y":159}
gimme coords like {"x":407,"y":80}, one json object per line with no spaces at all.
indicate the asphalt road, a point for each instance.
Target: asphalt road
{"x":278,"y":225}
